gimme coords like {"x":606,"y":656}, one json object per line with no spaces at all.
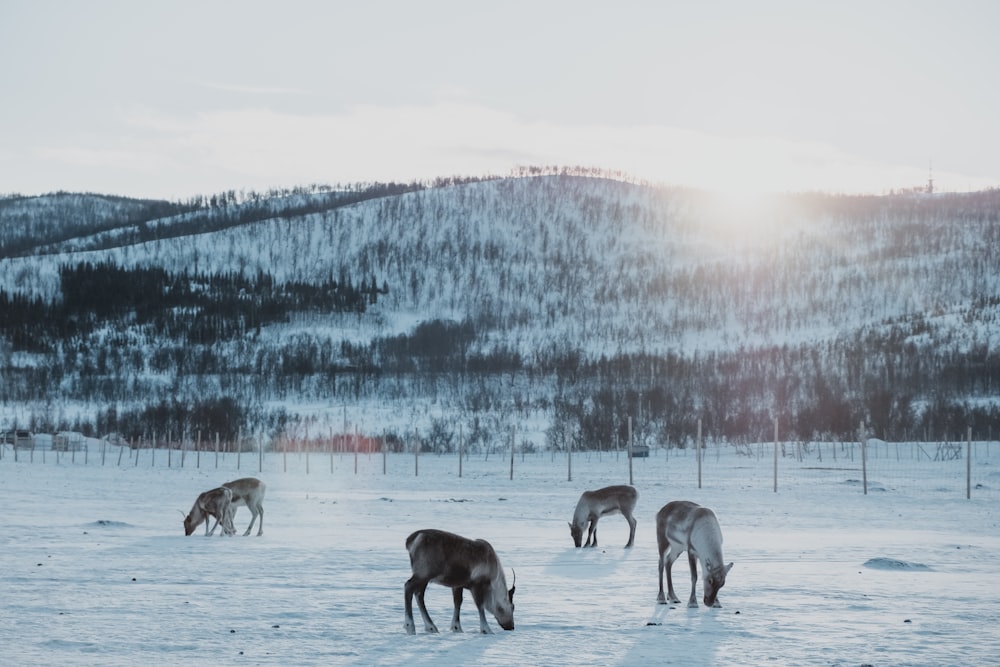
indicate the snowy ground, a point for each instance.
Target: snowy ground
{"x":96,"y":569}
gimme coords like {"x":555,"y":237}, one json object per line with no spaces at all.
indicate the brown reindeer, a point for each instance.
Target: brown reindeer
{"x":595,"y":504}
{"x":682,"y":526}
{"x":248,"y":491}
{"x":458,"y":563}
{"x":213,"y":503}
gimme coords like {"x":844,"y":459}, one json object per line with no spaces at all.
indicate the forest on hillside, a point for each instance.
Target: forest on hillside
{"x":586,"y":304}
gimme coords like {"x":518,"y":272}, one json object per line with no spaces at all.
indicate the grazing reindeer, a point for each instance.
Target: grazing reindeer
{"x":595,"y":504}
{"x":217,"y":503}
{"x":247,"y":491}
{"x":459,"y":563}
{"x":685,"y":526}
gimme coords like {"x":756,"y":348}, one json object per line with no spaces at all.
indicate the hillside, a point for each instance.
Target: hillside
{"x":563,"y":302}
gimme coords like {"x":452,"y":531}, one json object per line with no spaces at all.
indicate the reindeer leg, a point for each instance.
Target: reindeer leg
{"x":592,"y":533}
{"x":666,"y":562}
{"x":660,"y":597}
{"x":223,"y":519}
{"x":456,"y":593}
{"x":693,"y":562}
{"x":253,"y":520}
{"x":631,"y":529}
{"x":671,"y":557}
{"x":408,"y":624}
{"x":420,"y":589}
{"x":479,"y":597}
{"x":414,"y":586}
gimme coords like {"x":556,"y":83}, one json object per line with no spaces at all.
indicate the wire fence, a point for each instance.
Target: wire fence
{"x":970,"y":469}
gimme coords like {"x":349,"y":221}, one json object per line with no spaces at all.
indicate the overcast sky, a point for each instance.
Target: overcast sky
{"x":174,"y":99}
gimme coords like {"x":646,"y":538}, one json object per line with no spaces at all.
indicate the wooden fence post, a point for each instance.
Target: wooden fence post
{"x":569,"y":460}
{"x":630,"y":450}
{"x":864,"y":456}
{"x":513,"y":431}
{"x":775,"y":454}
{"x":697,"y":445}
{"x":968,"y":465}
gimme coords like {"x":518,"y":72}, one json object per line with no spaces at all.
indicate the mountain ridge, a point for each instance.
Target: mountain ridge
{"x":558,"y":266}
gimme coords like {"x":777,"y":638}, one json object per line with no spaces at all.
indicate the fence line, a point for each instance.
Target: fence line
{"x":970,"y":468}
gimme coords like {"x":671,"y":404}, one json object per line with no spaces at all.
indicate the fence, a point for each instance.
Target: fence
{"x":970,"y":469}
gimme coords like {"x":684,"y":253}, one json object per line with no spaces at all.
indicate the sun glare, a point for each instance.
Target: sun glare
{"x":740,"y":216}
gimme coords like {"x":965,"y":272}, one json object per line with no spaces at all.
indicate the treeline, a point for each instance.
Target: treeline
{"x":171,"y":421}
{"x":98,"y":222}
{"x":30,"y":223}
{"x":815,"y":391}
{"x":225,"y":211}
{"x":184,"y":307}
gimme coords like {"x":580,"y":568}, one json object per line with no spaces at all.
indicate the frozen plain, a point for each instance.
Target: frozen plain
{"x":97,"y":570}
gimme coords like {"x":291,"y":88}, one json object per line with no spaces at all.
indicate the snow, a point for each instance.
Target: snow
{"x":97,"y":570}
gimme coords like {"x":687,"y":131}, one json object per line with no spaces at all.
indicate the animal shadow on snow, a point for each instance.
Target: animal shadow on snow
{"x":598,"y":562}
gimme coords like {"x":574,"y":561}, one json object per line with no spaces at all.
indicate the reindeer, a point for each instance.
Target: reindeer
{"x":459,"y":563}
{"x":248,"y":491}
{"x":681,"y":526}
{"x":215,"y":502}
{"x":595,"y":504}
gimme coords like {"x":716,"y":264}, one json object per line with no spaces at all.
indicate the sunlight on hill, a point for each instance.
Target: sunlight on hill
{"x":739,"y":217}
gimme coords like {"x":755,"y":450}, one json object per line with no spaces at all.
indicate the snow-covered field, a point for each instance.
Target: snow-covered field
{"x":96,"y":569}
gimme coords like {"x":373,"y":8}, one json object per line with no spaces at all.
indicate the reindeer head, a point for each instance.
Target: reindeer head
{"x":715,"y":579}
{"x":193,"y":519}
{"x":500,"y":601}
{"x":505,"y":609}
{"x":577,"y":532}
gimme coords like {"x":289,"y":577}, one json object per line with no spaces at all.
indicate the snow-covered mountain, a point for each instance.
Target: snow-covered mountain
{"x":822,"y":310}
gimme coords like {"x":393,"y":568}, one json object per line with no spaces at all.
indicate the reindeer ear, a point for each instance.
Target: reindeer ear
{"x":728,"y":568}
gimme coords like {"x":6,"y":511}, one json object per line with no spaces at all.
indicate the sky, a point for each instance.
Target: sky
{"x":172,"y":100}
